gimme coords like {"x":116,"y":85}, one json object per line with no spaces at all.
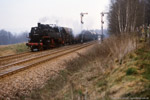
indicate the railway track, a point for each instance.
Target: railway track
{"x":13,"y":58}
{"x":13,"y":55}
{"x":37,"y":56}
{"x":4,"y":58}
{"x":15,"y":67}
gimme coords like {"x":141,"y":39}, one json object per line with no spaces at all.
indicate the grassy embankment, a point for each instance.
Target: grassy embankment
{"x":13,"y":49}
{"x":117,"y":68}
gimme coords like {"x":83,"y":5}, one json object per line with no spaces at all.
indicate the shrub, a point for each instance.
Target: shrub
{"x":147,"y":72}
{"x":131,"y":71}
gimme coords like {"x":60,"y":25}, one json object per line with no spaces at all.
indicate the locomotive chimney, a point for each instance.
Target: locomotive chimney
{"x":39,"y":24}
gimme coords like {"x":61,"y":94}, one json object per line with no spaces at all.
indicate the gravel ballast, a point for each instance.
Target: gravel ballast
{"x":22,"y":83}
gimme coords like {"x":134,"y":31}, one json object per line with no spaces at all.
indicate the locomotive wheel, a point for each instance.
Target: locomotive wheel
{"x":32,"y":49}
{"x":40,"y":48}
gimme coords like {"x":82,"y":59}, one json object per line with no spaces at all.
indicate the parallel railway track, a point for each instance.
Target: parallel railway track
{"x":15,"y":67}
{"x":5,"y":58}
{"x":13,"y":55}
{"x":13,"y":58}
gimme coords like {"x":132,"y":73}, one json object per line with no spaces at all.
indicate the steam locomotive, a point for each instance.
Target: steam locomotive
{"x":46,"y":36}
{"x":49,"y":36}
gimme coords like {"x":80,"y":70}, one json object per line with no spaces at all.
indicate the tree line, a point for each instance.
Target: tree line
{"x":9,"y":38}
{"x":126,"y":16}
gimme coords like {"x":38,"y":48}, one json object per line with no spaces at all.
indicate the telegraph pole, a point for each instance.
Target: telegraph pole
{"x":82,"y":15}
{"x":102,"y":22}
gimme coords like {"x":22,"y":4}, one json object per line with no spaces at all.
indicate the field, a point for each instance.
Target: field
{"x":13,"y":49}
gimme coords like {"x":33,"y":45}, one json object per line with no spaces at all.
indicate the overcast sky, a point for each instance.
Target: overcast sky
{"x":20,"y":15}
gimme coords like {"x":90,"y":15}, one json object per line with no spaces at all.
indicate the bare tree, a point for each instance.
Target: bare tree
{"x":147,"y":10}
{"x":126,"y":15}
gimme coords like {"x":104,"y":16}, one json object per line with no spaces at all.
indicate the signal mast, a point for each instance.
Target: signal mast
{"x":82,"y":15}
{"x":102,"y":22}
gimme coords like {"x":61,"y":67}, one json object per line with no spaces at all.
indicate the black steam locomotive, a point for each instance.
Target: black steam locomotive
{"x":49,"y":36}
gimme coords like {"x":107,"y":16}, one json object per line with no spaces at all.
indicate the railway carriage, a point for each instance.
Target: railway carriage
{"x":85,"y":36}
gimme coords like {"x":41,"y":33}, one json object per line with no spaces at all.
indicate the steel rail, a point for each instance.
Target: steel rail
{"x":3,"y":59}
{"x":37,"y":57}
{"x":17,"y":68}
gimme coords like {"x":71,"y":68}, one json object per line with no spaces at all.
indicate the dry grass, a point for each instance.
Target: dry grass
{"x":13,"y":49}
{"x":94,"y":75}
